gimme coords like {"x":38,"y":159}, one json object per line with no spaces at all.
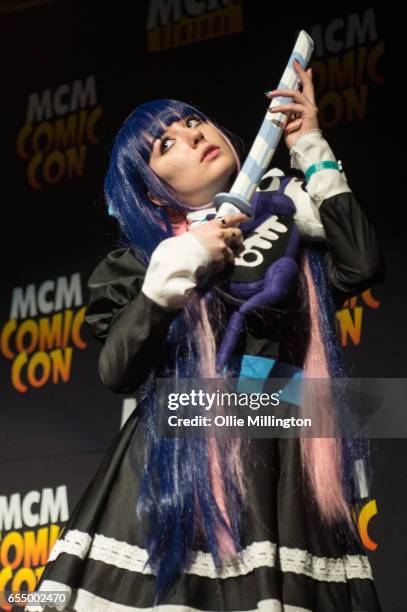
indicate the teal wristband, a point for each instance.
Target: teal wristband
{"x":322,"y":165}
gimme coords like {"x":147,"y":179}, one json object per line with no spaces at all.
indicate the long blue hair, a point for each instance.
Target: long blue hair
{"x":177,"y":500}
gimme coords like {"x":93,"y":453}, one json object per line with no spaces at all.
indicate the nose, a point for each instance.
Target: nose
{"x":194,"y":136}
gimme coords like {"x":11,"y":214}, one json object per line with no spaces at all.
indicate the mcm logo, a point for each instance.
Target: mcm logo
{"x":261,"y":239}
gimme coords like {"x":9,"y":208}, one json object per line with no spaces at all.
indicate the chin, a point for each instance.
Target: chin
{"x":206,"y":197}
{"x":225,"y":172}
{"x":221,"y":182}
{"x":227,"y":180}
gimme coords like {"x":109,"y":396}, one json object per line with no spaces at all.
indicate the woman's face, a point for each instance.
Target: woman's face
{"x":194,"y":159}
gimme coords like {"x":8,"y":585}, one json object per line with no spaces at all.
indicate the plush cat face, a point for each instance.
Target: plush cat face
{"x":271,"y":233}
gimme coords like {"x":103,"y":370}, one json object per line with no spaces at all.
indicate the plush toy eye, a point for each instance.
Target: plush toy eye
{"x":265,"y":183}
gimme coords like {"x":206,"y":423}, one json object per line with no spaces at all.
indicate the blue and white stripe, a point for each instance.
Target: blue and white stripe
{"x":270,"y":131}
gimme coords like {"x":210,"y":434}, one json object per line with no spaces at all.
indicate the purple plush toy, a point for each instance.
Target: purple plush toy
{"x":266,"y":272}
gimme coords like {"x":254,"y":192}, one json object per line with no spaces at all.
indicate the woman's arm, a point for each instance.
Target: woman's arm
{"x":130,"y":324}
{"x":353,"y":261}
{"x":131,"y":306}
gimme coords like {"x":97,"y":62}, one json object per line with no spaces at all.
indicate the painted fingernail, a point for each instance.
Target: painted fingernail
{"x":269,"y":93}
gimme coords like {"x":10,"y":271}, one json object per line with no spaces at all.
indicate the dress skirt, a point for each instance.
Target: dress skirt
{"x":290,"y":561}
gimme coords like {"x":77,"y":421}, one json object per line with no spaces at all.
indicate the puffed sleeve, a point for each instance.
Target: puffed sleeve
{"x":130,"y":324}
{"x":353,"y":260}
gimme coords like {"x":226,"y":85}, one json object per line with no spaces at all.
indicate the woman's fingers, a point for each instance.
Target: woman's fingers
{"x":229,"y":255}
{"x":288,"y":108}
{"x":235,"y":242}
{"x":293,"y":126}
{"x":222,"y":241}
{"x":231,"y":232}
{"x":306,"y":80}
{"x":233,"y":239}
{"x":225,"y":257}
{"x":304,"y":93}
{"x":297,"y":95}
{"x":231,"y":220}
{"x":286,"y":93}
{"x":229,"y":245}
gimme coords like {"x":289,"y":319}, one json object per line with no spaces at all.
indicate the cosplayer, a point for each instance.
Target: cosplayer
{"x":190,"y":524}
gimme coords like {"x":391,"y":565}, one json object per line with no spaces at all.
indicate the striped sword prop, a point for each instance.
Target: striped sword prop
{"x":265,"y":144}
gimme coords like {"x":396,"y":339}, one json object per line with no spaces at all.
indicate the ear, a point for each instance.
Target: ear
{"x":154,"y":200}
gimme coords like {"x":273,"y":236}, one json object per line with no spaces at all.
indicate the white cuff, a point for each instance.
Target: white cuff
{"x":309,"y":149}
{"x":173,"y":270}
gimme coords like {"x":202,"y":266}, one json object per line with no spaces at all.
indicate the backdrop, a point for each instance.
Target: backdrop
{"x":71,"y":73}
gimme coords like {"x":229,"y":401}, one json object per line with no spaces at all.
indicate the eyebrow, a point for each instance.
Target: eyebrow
{"x":157,"y":139}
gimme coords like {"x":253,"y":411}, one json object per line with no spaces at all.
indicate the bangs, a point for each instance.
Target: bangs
{"x":153,"y":118}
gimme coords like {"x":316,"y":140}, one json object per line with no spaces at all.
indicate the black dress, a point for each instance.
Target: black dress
{"x":290,"y":562}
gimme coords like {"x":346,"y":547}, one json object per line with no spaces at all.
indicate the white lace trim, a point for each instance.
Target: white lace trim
{"x":255,"y":555}
{"x":85,"y":601}
{"x":74,"y":542}
{"x":259,"y":554}
{"x":120,"y":554}
{"x":329,"y":569}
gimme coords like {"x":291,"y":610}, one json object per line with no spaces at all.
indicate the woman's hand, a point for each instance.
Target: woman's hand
{"x":222,"y":239}
{"x":302,"y":113}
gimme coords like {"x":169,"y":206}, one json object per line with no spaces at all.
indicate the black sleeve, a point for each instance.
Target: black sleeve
{"x":130,"y":325}
{"x":353,"y":261}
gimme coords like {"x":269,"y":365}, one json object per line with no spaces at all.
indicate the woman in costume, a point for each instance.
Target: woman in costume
{"x":186,"y":523}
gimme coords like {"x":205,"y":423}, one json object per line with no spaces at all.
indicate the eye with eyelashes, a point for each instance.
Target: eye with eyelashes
{"x":163,"y":149}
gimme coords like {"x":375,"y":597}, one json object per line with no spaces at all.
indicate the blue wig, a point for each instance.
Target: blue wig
{"x":130,"y":177}
{"x":353,"y":448}
{"x":176,"y":503}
